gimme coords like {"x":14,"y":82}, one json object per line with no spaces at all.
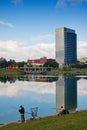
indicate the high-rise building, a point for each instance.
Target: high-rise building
{"x":66,"y":46}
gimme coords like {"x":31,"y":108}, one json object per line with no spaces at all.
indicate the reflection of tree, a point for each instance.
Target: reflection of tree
{"x":4,"y":79}
{"x":78,"y":78}
{"x":85,"y":78}
{"x":11,"y":79}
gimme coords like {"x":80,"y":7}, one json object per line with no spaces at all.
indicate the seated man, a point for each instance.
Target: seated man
{"x":63,"y":111}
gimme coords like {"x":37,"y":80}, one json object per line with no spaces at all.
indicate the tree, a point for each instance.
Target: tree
{"x":51,"y":64}
{"x":47,"y":64}
{"x":55,"y":64}
{"x":11,"y":62}
{"x":21,"y":64}
{"x":3,"y":63}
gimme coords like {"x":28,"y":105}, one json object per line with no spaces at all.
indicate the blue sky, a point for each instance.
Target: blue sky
{"x":27,"y":27}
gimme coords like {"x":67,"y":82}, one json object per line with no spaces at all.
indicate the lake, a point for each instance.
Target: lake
{"x":48,"y":93}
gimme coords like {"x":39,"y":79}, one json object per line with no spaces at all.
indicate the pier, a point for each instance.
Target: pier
{"x":35,"y":70}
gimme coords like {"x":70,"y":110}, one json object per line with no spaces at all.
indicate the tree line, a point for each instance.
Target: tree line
{"x":4,"y":63}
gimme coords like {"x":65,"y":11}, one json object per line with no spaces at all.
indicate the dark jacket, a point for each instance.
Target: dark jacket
{"x":21,"y":110}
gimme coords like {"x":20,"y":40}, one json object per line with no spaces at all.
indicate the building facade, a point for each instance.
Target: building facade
{"x":66,"y":46}
{"x":40,"y":61}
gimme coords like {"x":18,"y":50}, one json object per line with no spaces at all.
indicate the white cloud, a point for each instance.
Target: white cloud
{"x":42,"y":38}
{"x":70,"y":2}
{"x":6,"y":24}
{"x":16,"y":1}
{"x":60,"y":3}
{"x":22,"y":52}
{"x":35,"y":91}
{"x":31,"y":90}
{"x":82,"y":87}
{"x":82,"y":49}
{"x":26,"y":88}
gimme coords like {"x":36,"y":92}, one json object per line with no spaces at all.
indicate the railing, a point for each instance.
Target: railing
{"x":34,"y":70}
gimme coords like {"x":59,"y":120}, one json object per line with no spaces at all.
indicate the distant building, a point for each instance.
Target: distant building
{"x":83,"y":60}
{"x":66,"y":46}
{"x":12,"y":67}
{"x":40,"y":61}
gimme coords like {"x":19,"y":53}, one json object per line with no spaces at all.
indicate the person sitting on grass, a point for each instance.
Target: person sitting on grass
{"x":63,"y":111}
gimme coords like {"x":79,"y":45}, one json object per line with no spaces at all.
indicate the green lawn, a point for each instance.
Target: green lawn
{"x":73,"y":121}
{"x":4,"y":72}
{"x":72,"y":71}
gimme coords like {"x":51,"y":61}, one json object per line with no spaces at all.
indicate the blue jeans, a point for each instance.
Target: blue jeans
{"x":22,"y":118}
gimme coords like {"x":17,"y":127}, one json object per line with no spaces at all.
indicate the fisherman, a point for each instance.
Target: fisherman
{"x":22,"y":112}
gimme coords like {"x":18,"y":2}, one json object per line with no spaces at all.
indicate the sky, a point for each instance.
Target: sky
{"x":27,"y":27}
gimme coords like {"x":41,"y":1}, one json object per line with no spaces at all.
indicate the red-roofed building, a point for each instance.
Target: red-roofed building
{"x":40,"y":61}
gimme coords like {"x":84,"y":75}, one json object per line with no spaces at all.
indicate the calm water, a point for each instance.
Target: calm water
{"x":46,"y":93}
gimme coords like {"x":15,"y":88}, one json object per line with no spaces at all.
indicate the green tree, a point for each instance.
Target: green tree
{"x":47,"y":64}
{"x":51,"y":64}
{"x":21,"y":64}
{"x":3,"y":63}
{"x":11,"y":62}
{"x":55,"y":64}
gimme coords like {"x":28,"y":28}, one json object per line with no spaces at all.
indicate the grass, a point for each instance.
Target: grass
{"x":71,"y":71}
{"x":73,"y":121}
{"x":5,"y":72}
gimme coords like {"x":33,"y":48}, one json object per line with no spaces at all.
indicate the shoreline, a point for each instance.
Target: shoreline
{"x":4,"y":124}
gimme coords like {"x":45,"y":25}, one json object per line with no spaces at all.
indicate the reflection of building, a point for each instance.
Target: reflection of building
{"x":66,"y":93}
{"x":42,"y":78}
{"x":66,"y":50}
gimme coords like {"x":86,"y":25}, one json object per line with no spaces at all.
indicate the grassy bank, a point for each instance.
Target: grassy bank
{"x":71,"y":71}
{"x":73,"y":121}
{"x":4,"y":72}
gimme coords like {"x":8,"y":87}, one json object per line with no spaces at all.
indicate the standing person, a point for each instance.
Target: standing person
{"x":22,"y":112}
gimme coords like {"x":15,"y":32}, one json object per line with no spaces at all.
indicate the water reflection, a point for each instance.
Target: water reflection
{"x":38,"y":78}
{"x":6,"y":79}
{"x":29,"y":93}
{"x":66,"y":93}
{"x":45,"y":92}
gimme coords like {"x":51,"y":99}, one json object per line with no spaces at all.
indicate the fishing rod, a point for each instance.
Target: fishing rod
{"x":56,"y":108}
{"x":18,"y":110}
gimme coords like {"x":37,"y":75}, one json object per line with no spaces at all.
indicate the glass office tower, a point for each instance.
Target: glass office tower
{"x":66,"y":46}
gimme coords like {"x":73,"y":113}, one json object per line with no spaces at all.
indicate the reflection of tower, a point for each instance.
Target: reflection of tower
{"x":66,"y":93}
